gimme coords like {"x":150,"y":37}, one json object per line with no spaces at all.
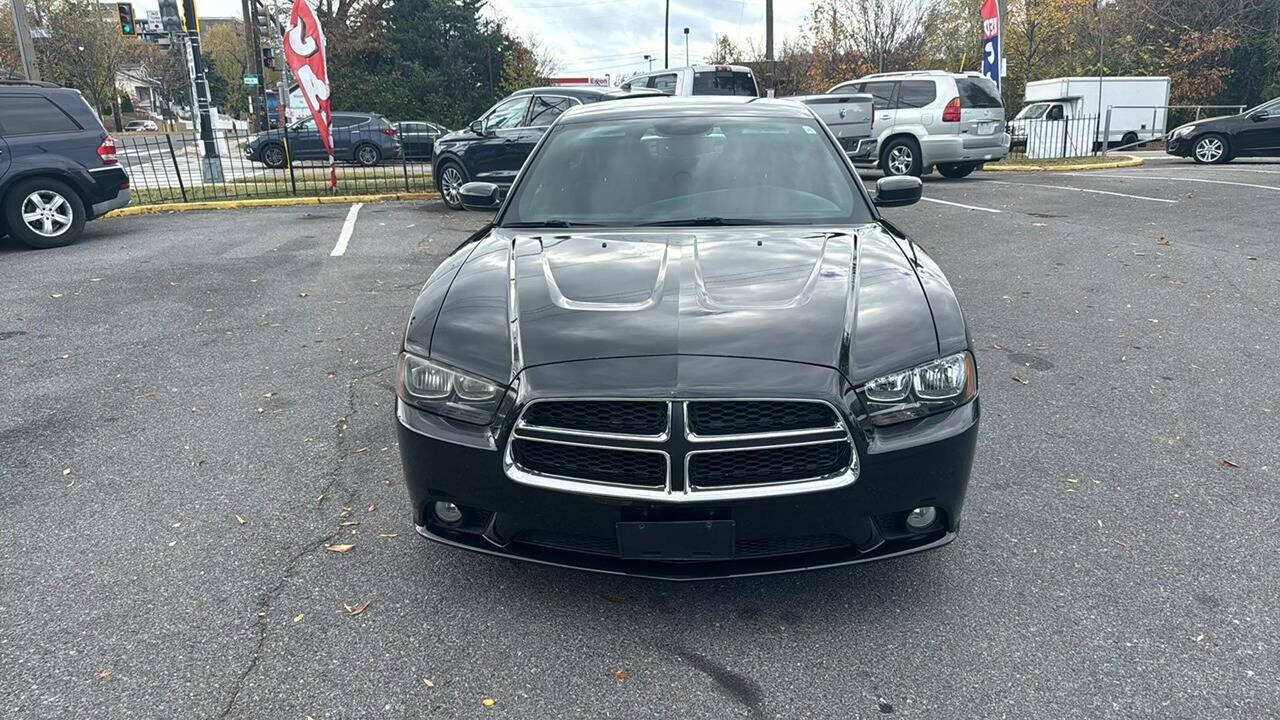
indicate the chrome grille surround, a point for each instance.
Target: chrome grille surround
{"x":678,"y":445}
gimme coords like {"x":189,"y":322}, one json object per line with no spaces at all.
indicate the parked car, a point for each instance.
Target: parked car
{"x":141,"y":126}
{"x":850,"y":117}
{"x":362,"y":138}
{"x":494,"y":147}
{"x":687,"y":345}
{"x":931,"y":118}
{"x":419,"y":138}
{"x":58,"y":165}
{"x":698,"y":80}
{"x":1252,"y":133}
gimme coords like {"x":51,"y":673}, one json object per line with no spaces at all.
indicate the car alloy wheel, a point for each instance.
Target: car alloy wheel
{"x":367,"y":155}
{"x":451,"y":184}
{"x":47,"y":213}
{"x":900,"y":159}
{"x":1209,"y":149}
{"x":273,"y":157}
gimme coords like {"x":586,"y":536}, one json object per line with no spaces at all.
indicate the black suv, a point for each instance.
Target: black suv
{"x":493,"y":148}
{"x":57,"y":164}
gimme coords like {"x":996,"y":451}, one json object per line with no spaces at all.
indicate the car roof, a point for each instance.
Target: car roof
{"x":695,"y":106}
{"x":579,"y":91}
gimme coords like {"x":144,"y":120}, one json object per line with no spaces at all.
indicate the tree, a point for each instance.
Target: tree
{"x":90,"y":51}
{"x":222,"y":45}
{"x":724,"y":52}
{"x":10,"y":58}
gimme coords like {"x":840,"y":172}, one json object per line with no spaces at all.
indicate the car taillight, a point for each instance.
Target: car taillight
{"x":389,"y":131}
{"x":107,"y":151}
{"x":951,"y":113}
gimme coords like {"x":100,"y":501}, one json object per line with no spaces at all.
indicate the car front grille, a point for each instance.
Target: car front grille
{"x":743,"y":548}
{"x":681,"y":450}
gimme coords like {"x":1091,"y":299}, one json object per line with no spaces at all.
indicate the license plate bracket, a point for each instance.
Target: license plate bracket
{"x":986,"y":128}
{"x":676,"y":540}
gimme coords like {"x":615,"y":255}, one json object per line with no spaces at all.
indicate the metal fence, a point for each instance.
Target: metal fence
{"x":171,"y":167}
{"x":1171,"y":115}
{"x":1045,"y":138}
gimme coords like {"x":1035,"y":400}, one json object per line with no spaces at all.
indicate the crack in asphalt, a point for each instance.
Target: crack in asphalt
{"x":265,"y":600}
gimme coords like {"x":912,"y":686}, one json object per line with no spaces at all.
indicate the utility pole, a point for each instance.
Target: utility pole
{"x":251,"y":50}
{"x":768,"y":49}
{"x":30,"y":68}
{"x":211,"y":163}
{"x":666,"y":39}
{"x":649,"y":58}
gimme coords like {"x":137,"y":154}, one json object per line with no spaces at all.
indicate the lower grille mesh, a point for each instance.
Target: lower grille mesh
{"x":623,"y":467}
{"x":770,"y":465}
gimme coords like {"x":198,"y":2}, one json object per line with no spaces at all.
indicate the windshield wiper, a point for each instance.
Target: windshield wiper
{"x":709,"y":221}
{"x":549,"y":224}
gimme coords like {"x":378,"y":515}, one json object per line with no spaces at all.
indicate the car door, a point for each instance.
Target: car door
{"x":4,"y":157}
{"x":304,"y":141}
{"x":490,"y":157}
{"x":416,"y":139}
{"x":1259,"y":132}
{"x":347,"y":131}
{"x":884,"y":105}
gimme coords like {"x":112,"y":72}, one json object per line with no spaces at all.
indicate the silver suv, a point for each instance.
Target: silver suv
{"x":923,"y":119}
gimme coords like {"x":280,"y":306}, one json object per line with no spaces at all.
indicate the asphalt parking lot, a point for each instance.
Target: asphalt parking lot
{"x":197,"y":404}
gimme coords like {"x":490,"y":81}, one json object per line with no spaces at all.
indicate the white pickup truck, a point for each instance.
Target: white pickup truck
{"x":850,"y":118}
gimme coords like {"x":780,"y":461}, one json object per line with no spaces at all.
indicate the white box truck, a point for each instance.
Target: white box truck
{"x":1067,"y":117}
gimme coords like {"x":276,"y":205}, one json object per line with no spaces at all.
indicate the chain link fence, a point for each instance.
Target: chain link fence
{"x":170,"y":167}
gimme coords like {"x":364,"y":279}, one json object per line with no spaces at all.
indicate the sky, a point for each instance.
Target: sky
{"x":595,"y":37}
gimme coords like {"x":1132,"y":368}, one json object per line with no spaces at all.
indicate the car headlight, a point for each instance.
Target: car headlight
{"x":1183,"y":131}
{"x":923,"y":390}
{"x":440,"y":389}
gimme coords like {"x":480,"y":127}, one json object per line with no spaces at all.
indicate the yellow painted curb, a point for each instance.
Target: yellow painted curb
{"x":266,"y":202}
{"x":1128,"y":161}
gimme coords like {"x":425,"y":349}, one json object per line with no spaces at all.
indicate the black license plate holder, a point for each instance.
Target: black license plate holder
{"x":676,"y":540}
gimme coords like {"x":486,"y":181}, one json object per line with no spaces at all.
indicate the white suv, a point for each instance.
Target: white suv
{"x":699,"y":80}
{"x":932,"y":118}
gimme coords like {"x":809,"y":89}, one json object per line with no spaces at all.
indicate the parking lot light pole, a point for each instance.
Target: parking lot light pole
{"x":686,"y":46}
{"x":666,"y":38}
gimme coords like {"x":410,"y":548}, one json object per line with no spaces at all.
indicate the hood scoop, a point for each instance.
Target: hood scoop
{"x":739,"y":273}
{"x":607,"y":273}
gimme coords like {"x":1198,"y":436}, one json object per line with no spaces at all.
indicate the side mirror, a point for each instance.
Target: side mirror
{"x":477,"y":127}
{"x":898,"y":191}
{"x":1260,"y":116}
{"x":479,"y":195}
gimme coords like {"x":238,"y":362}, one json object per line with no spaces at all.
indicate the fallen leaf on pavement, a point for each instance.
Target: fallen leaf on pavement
{"x":622,"y":675}
{"x":261,"y":410}
{"x":66,"y":471}
{"x":1121,"y":543}
{"x":1153,"y":320}
{"x":339,"y":548}
{"x":372,"y":508}
{"x":488,"y":702}
{"x":388,"y":535}
{"x":146,"y":396}
{"x":1074,"y":481}
{"x":428,"y":682}
{"x":1162,"y":241}
{"x":55,"y":295}
{"x":303,"y":294}
{"x":298,"y":618}
{"x":354,"y":610}
{"x":1199,"y":637}
{"x":240,"y":520}
{"x":349,"y":523}
{"x":108,"y":672}
{"x":268,"y":394}
{"x":1228,"y":463}
{"x":611,"y":598}
{"x":331,"y":374}
{"x":1018,"y":379}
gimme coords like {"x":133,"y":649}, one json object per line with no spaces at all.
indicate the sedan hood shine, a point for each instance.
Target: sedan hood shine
{"x":846,"y":298}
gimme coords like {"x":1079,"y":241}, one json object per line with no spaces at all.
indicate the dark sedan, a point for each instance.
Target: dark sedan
{"x":688,"y":346}
{"x":494,"y":147}
{"x":1252,"y":133}
{"x":361,"y":138}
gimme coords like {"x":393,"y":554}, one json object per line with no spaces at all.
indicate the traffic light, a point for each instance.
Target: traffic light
{"x":269,"y":58}
{"x":126,"y":19}
{"x":170,"y":17}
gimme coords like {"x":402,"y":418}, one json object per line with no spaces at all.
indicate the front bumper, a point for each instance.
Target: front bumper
{"x":925,"y":462}
{"x":1180,"y":146}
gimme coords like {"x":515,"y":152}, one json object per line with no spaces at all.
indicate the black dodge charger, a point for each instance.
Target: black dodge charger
{"x":687,"y":345}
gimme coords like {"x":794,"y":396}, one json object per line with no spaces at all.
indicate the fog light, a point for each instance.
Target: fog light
{"x":918,"y":519}
{"x":447,"y":513}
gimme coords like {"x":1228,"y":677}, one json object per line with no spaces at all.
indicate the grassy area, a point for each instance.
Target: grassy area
{"x":1024,"y":161}
{"x":275,"y":187}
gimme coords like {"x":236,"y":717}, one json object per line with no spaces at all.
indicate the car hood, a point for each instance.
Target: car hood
{"x":462,"y":134}
{"x":846,"y":298}
{"x":1219,"y":120}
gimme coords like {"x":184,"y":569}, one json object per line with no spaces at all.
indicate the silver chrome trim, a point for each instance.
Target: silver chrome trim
{"x":689,"y":493}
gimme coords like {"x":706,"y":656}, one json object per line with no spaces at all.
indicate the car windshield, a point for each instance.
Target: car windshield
{"x":691,"y":170}
{"x":1032,"y":112}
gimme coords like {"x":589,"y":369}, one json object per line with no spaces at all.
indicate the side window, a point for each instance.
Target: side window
{"x":32,"y":114}
{"x":850,"y":89}
{"x":665,"y":83}
{"x":916,"y":93}
{"x":547,"y":108}
{"x":346,"y":121}
{"x":1055,"y":113}
{"x":882,"y":94}
{"x":508,"y":113}
{"x":413,"y":127}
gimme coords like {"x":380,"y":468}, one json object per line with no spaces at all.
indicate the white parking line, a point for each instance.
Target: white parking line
{"x":1253,"y":170}
{"x":1183,"y":179}
{"x":348,"y":226}
{"x":959,"y":205}
{"x":1083,"y":190}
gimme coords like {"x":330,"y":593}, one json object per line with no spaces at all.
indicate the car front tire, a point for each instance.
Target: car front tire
{"x":901,"y":157}
{"x":44,"y":213}
{"x":273,"y":156}
{"x":1210,"y":149}
{"x":450,"y":179}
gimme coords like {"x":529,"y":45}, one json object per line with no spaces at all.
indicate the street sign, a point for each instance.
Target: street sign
{"x":251,"y":80}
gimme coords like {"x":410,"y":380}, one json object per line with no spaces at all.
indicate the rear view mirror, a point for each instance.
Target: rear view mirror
{"x":898,"y":191}
{"x":479,"y":195}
